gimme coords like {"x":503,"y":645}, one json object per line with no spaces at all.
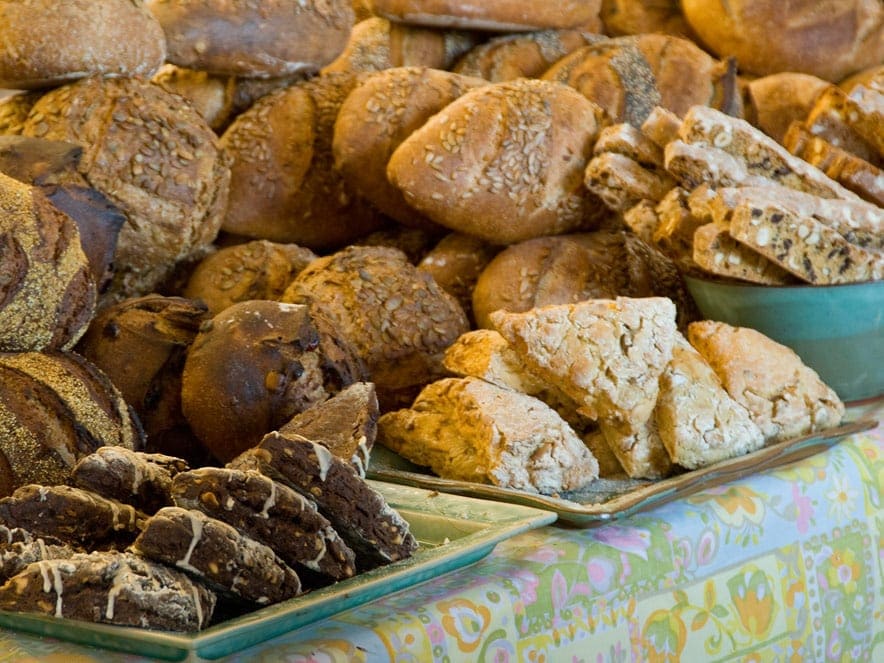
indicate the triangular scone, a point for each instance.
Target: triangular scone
{"x":698,"y":422}
{"x":606,"y":354}
{"x":638,"y":447}
{"x":785,"y":397}
{"x":469,"y":429}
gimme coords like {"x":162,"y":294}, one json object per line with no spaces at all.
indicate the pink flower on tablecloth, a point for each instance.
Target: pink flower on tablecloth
{"x":633,"y":540}
{"x":545,"y":555}
{"x":526,"y":584}
{"x":600,"y":572}
{"x":803,"y":509}
{"x":707,"y":546}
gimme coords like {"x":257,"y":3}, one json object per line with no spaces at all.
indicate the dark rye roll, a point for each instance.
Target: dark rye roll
{"x":54,"y":409}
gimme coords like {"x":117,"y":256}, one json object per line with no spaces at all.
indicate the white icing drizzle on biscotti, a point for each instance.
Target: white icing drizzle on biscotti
{"x":52,"y":584}
{"x":118,"y":585}
{"x":324,"y":459}
{"x":196,"y":528}
{"x":270,"y":502}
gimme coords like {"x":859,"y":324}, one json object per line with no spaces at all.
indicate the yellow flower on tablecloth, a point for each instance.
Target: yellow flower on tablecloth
{"x":752,"y":595}
{"x":663,"y":637}
{"x":844,"y":570}
{"x":735,"y":505}
{"x":465,"y":621}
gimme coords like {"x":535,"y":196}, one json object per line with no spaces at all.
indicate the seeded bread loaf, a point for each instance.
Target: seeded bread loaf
{"x":210,"y":94}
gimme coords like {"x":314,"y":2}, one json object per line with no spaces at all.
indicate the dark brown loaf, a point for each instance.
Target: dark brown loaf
{"x":376,"y":117}
{"x":49,"y":43}
{"x":254,"y":366}
{"x":504,"y":162}
{"x":491,"y":15}
{"x":284,"y":186}
{"x":826,"y":39}
{"x":155,"y":158}
{"x":254,"y":39}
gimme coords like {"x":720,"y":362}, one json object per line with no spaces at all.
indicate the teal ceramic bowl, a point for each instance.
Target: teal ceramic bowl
{"x":836,"y":330}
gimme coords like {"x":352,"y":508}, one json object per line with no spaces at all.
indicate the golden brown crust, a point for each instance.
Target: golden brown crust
{"x":504,"y":162}
{"x":14,"y":111}
{"x":775,"y":101}
{"x":263,"y":39}
{"x":211,"y":96}
{"x":51,"y":43}
{"x":633,"y":17}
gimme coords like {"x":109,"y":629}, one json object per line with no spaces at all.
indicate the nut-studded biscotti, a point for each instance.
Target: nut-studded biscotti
{"x":716,"y":252}
{"x":621,"y":182}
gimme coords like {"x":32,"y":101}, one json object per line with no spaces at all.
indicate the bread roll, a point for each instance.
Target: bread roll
{"x":211,"y":96}
{"x":491,"y":15}
{"x":629,"y":76}
{"x":154,"y":158}
{"x":47,"y":291}
{"x":50,"y":43}
{"x":284,"y":186}
{"x":256,"y":39}
{"x":504,"y":162}
{"x":830,"y":40}
{"x":634,"y":17}
{"x":383,"y":110}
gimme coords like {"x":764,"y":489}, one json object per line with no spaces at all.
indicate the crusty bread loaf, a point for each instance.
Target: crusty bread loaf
{"x":377,"y":43}
{"x":490,"y":15}
{"x":49,"y":43}
{"x":211,"y":95}
{"x":504,"y":162}
{"x":775,"y":101}
{"x":634,"y":17}
{"x":262,"y":40}
{"x":382,"y":111}
{"x":472,"y":430}
{"x":784,"y":397}
{"x":829,"y":40}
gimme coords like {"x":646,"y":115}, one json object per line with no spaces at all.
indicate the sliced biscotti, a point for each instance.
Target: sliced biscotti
{"x":606,"y":354}
{"x":270,"y":513}
{"x":831,"y":120}
{"x":469,"y":429}
{"x":802,"y":245}
{"x":784,"y":397}
{"x":19,"y":547}
{"x":621,"y":181}
{"x":694,"y":165}
{"x":865,"y":113}
{"x":697,"y":421}
{"x":716,"y":252}
{"x":661,"y":126}
{"x":376,"y":532}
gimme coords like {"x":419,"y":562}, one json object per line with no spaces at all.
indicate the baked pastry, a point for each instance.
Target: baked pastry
{"x":47,"y":292}
{"x":395,"y":317}
{"x":270,"y":513}
{"x":155,"y":158}
{"x":55,"y":408}
{"x":471,"y":430}
{"x":346,"y":424}
{"x":257,"y":364}
{"x":383,"y":110}
{"x":638,"y":447}
{"x":777,"y":100}
{"x":523,"y":54}
{"x":491,"y":15}
{"x":14,"y":111}
{"x":51,"y":43}
{"x":140,"y":343}
{"x":18,"y":548}
{"x":377,"y":43}
{"x":850,"y":29}
{"x":374,"y":531}
{"x":218,"y":555}
{"x":716,"y":252}
{"x":78,"y":517}
{"x":284,"y":186}
{"x":784,"y":397}
{"x":698,"y":422}
{"x":628,"y":76}
{"x":241,"y":38}
{"x":253,"y":270}
{"x":112,"y":588}
{"x":622,"y":182}
{"x":834,"y":118}
{"x":210,"y":94}
{"x":504,"y":162}
{"x":142,"y":480}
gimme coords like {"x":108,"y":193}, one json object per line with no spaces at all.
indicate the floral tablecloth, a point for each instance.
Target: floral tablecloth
{"x":786,"y":565}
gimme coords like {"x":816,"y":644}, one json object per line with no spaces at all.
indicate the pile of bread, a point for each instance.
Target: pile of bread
{"x":217,"y":217}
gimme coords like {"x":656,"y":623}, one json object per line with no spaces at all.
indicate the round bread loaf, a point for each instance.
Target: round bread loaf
{"x":263,"y":39}
{"x":826,"y":39}
{"x":629,"y":76}
{"x":56,"y":408}
{"x":255,"y":270}
{"x":415,"y":243}
{"x":211,"y":96}
{"x":377,"y":44}
{"x":14,"y":110}
{"x":396,"y":317}
{"x":381,"y":112}
{"x":47,"y":291}
{"x":635,"y":17}
{"x":48,"y":43}
{"x":521,"y":55}
{"x":153,"y":157}
{"x":491,"y":15}
{"x":504,"y":162}
{"x":775,"y":101}
{"x":254,"y":366}
{"x":284,"y":185}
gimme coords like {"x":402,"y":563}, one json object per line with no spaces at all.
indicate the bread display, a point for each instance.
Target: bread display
{"x":51,"y":43}
{"x":240,"y":38}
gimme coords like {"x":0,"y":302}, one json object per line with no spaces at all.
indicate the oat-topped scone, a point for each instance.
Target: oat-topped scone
{"x":637,"y":447}
{"x":698,"y":422}
{"x":112,"y":588}
{"x":785,"y":397}
{"x":469,"y":429}
{"x":607,"y":354}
